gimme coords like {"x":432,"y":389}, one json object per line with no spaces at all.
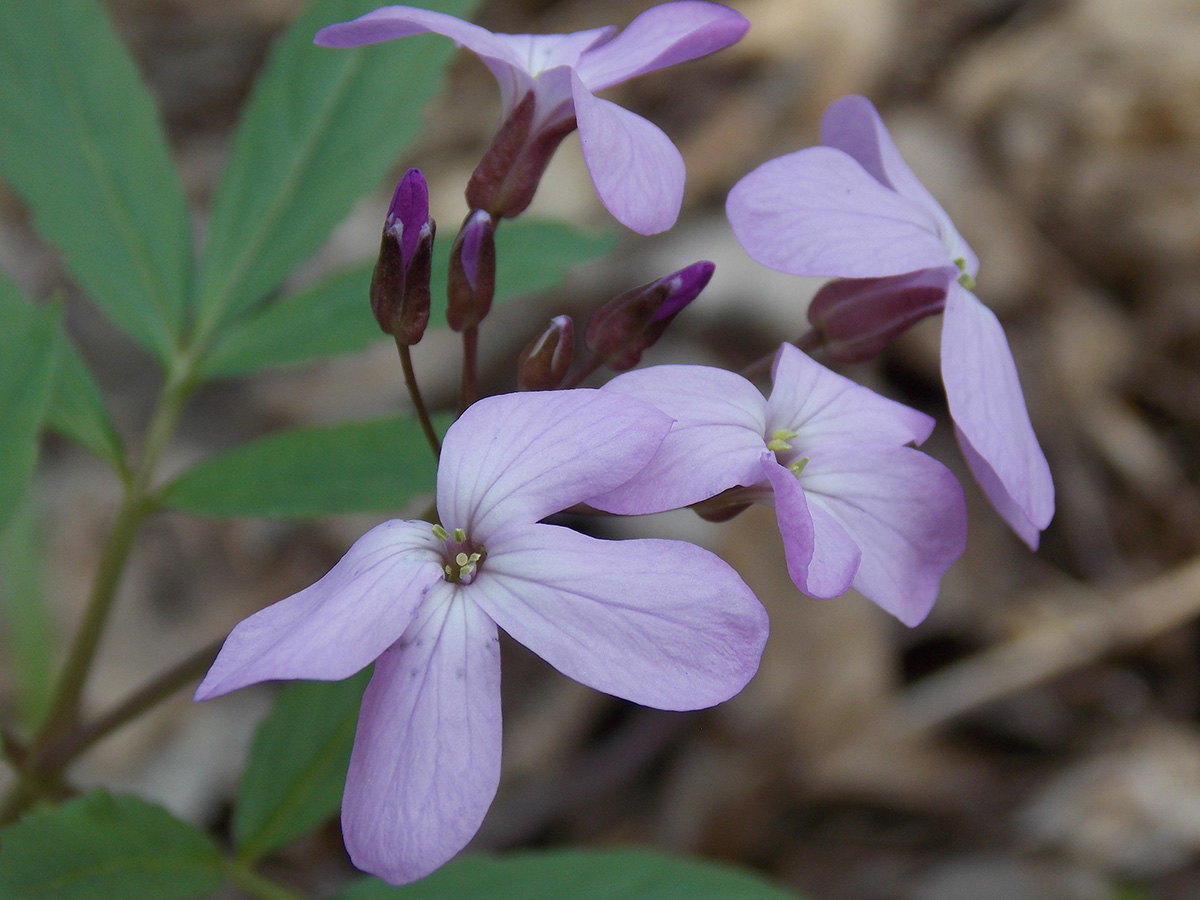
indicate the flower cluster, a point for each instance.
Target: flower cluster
{"x":657,"y":622}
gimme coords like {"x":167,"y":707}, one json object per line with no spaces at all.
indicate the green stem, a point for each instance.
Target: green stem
{"x":259,"y":885}
{"x":414,"y":391}
{"x":56,"y":757}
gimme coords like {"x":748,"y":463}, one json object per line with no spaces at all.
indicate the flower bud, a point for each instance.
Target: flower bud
{"x":543,"y":364}
{"x":858,"y":317}
{"x":622,"y":329}
{"x":472,"y":278}
{"x":507,"y":177}
{"x":400,"y":283}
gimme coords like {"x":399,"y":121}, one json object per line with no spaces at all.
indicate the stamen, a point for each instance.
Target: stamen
{"x":440,"y":533}
{"x":798,"y":466}
{"x":779,"y":439}
{"x":460,"y":534}
{"x":964,"y":279}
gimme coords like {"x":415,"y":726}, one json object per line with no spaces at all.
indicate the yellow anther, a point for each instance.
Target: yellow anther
{"x":440,"y":533}
{"x":461,"y":559}
{"x":779,"y":439}
{"x":459,"y":534}
{"x":798,"y":466}
{"x":965,"y":278}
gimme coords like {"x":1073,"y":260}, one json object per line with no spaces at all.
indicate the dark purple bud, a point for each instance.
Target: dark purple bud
{"x":507,"y":177}
{"x":400,"y":282}
{"x":543,"y":364}
{"x":622,"y":329}
{"x":472,"y":277}
{"x":858,"y":317}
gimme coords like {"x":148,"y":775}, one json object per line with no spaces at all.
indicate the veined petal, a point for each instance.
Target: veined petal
{"x":825,"y":407}
{"x":989,"y":411}
{"x":517,"y":458}
{"x":905,"y":512}
{"x":662,"y":623}
{"x":714,"y":444}
{"x":821,"y":557}
{"x":505,"y":55}
{"x":333,"y":628}
{"x":389,"y":22}
{"x":636,"y":170}
{"x":662,"y":36}
{"x":818,"y":212}
{"x":852,"y":124}
{"x":426,"y":758}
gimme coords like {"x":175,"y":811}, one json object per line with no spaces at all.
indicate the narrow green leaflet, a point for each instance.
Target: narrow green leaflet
{"x":29,"y":348}
{"x":26,"y":625}
{"x":294,"y":778}
{"x":320,"y":130}
{"x":334,"y":315}
{"x":100,"y":846}
{"x":373,"y":466}
{"x":77,"y":411}
{"x":625,"y":874}
{"x":81,"y":143}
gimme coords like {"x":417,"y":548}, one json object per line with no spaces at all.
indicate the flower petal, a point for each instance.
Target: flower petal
{"x":714,"y":444}
{"x":662,"y":623}
{"x":334,"y":628}
{"x":905,"y":512}
{"x":821,"y":557}
{"x":389,"y":22}
{"x":989,"y":411}
{"x":636,"y":170}
{"x":516,"y":458}
{"x":426,"y":758}
{"x":662,"y":36}
{"x":818,"y":212}
{"x":852,"y":124}
{"x":823,"y":407}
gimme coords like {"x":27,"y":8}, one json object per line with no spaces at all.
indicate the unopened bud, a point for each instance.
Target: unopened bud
{"x":858,"y":317}
{"x":622,"y":329}
{"x":472,"y":278}
{"x":400,"y":282}
{"x":544,"y":363}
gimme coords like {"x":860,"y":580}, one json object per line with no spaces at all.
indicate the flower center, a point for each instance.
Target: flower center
{"x":779,"y":443}
{"x":461,"y":557}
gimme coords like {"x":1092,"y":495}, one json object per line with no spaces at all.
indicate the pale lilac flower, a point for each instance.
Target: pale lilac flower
{"x":662,"y":623}
{"x":853,"y":209}
{"x":638,"y":173}
{"x":856,"y":507}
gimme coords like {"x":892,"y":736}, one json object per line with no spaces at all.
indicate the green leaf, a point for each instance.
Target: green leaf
{"x":101,"y":847}
{"x":29,"y":347}
{"x":370,"y":466}
{"x":76,"y":410}
{"x":624,"y":874}
{"x":297,"y":768}
{"x":81,"y":143}
{"x":26,"y":625}
{"x":321,"y":129}
{"x":334,"y":315}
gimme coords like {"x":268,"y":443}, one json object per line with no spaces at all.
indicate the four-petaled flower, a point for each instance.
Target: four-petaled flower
{"x":638,"y":173}
{"x":856,"y":507}
{"x":661,"y":623}
{"x":853,"y":209}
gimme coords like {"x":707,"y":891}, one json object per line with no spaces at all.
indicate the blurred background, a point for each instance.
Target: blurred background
{"x":1038,"y":737}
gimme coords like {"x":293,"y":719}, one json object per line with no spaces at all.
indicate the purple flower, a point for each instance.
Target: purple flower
{"x":635,"y":168}
{"x":853,"y":209}
{"x":662,"y":623}
{"x":856,"y":507}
